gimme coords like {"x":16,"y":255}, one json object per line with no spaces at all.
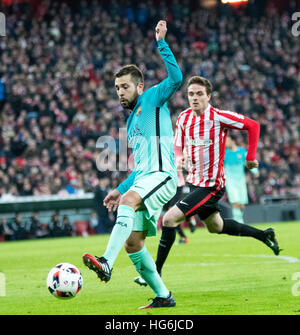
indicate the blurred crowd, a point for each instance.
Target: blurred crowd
{"x":57,"y":93}
{"x":35,"y":227}
{"x":19,"y":228}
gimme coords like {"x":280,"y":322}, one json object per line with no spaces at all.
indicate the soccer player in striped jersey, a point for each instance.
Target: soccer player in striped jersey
{"x":153,"y":182}
{"x":201,"y":130}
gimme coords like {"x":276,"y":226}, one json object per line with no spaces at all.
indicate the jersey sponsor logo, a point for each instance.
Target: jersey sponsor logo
{"x":199,"y":141}
{"x":138,"y":112}
{"x":134,"y":133}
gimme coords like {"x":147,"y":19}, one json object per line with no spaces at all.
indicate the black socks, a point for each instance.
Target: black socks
{"x":166,"y":241}
{"x":232,"y":227}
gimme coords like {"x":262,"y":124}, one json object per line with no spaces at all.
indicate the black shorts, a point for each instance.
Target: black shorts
{"x":201,"y":200}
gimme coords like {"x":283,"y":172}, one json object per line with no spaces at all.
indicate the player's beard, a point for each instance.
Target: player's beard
{"x":130,"y":104}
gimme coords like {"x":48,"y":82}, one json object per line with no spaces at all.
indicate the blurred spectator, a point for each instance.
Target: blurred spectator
{"x":56,"y":226}
{"x":5,"y":230}
{"x":67,"y":226}
{"x":18,"y":226}
{"x":2,"y":92}
{"x":2,"y":228}
{"x":104,"y":222}
{"x":61,"y":226}
{"x":43,"y":231}
{"x":94,"y":220}
{"x":33,"y":225}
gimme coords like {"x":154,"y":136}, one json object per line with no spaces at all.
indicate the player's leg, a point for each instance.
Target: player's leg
{"x":156,"y":190}
{"x":129,"y":203}
{"x":144,"y":263}
{"x":192,"y":223}
{"x":122,"y":229}
{"x":237,"y":213}
{"x":171,"y":220}
{"x":215,"y":224}
{"x":183,"y":237}
{"x":208,"y":211}
{"x":171,"y":203}
{"x":183,"y":209}
{"x":238,"y":197}
{"x":242,"y":209}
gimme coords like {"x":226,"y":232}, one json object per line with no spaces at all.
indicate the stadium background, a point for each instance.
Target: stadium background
{"x":57,"y":98}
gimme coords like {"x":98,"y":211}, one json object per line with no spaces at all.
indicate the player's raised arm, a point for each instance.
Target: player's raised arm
{"x":172,"y":83}
{"x":239,"y":121}
{"x":127,"y":183}
{"x":111,"y":201}
{"x":253,"y":129}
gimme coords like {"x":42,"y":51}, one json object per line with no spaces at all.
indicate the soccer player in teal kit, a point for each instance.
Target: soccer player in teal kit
{"x":236,"y":186}
{"x":153,"y":182}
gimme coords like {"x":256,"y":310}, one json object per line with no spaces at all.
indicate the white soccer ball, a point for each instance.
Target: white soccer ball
{"x":64,"y":281}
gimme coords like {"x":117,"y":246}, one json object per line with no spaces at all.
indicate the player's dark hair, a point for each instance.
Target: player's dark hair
{"x":201,"y":81}
{"x":136,"y":74}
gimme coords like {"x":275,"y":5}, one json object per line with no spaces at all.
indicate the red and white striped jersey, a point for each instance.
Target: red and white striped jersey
{"x":203,"y":138}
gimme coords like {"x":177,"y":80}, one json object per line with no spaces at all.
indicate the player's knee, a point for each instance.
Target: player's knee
{"x":131,"y":199}
{"x":214,"y":223}
{"x":214,"y":229}
{"x":169,"y":221}
{"x":132,"y":247}
{"x":173,"y":217}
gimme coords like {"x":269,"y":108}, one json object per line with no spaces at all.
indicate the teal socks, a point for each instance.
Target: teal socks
{"x":238,"y":215}
{"x":146,"y":267}
{"x":120,"y":233}
{"x":142,"y":259}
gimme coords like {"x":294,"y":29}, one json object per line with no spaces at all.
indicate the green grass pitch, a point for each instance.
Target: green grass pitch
{"x":212,"y":275}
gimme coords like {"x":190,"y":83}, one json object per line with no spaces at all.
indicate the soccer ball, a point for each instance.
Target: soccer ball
{"x":64,"y":280}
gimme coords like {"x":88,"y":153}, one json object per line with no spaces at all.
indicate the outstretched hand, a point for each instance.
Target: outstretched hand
{"x":161,"y":30}
{"x":111,"y":201}
{"x":180,"y":163}
{"x":252,"y":164}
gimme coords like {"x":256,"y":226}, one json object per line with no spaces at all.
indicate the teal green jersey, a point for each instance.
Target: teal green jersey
{"x":234,"y":164}
{"x":149,"y":125}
